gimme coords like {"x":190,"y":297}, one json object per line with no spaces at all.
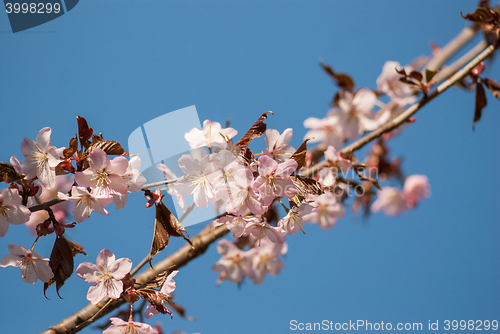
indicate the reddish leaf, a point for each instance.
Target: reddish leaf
{"x":62,"y":262}
{"x":257,"y":129}
{"x":111,"y":147}
{"x":492,"y":86}
{"x":342,"y":80}
{"x":300,"y":154}
{"x":72,"y":147}
{"x":416,"y":75}
{"x":8,"y":173}
{"x":480,"y":103}
{"x":166,"y":225}
{"x":306,"y":186}
{"x":482,"y":15}
{"x":84,"y":131}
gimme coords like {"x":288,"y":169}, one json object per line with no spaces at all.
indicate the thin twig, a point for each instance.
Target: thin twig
{"x":46,"y":205}
{"x":159,"y":183}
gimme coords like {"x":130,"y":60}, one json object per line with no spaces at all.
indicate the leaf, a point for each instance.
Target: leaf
{"x":306,"y":186}
{"x":72,"y":148}
{"x":62,"y":262}
{"x":8,"y":173}
{"x":257,"y":130}
{"x":166,"y":225}
{"x":482,"y":15}
{"x":480,"y":103}
{"x":416,"y":75}
{"x":111,"y":147}
{"x":429,"y":75}
{"x":492,"y":86}
{"x":344,"y":81}
{"x":300,"y":154}
{"x":84,"y":131}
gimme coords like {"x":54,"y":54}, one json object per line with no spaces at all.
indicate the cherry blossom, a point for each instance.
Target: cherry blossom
{"x":241,"y":194}
{"x":32,"y":265}
{"x":293,"y":222}
{"x":335,"y":159}
{"x":327,"y":130}
{"x":195,"y":181}
{"x":326,"y":211}
{"x":266,"y":260}
{"x":85,"y":203}
{"x":106,"y":275}
{"x":171,"y":190}
{"x":260,"y":229}
{"x":416,"y":187}
{"x":235,"y":224}
{"x":274,"y":180}
{"x":11,"y":210}
{"x":41,"y":158}
{"x":234,"y":264}
{"x":63,"y":184}
{"x":391,"y":201}
{"x":134,"y":181}
{"x":278,"y":146}
{"x":354,"y":113}
{"x":104,"y":176}
{"x":165,"y":292}
{"x":128,"y":327}
{"x":16,"y":164}
{"x":388,"y":82}
{"x":224,"y":165}
{"x":211,"y":135}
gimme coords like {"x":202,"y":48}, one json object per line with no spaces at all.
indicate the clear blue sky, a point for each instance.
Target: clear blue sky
{"x":123,"y":63}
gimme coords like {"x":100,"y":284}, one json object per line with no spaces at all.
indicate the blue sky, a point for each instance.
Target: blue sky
{"x":122,"y":63}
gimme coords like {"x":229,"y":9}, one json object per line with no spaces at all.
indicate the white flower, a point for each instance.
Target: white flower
{"x":85,"y":203}
{"x":11,"y":210}
{"x":32,"y":265}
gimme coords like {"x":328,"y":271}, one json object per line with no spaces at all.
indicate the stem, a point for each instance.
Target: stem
{"x":46,"y":205}
{"x":159,"y":183}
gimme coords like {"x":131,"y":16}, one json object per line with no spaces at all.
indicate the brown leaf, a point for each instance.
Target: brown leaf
{"x":8,"y":173}
{"x":480,"y":103}
{"x":429,"y":75}
{"x":62,"y":262}
{"x":166,"y":225}
{"x":344,"y":81}
{"x":257,"y":129}
{"x":111,"y":147}
{"x":306,"y":186}
{"x":492,"y":86}
{"x":300,"y":154}
{"x":84,"y":131}
{"x":416,"y":75}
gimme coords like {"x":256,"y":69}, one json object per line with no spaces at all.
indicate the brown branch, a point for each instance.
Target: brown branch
{"x":181,"y":257}
{"x":46,"y":205}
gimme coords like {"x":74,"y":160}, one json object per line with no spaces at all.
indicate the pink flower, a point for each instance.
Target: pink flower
{"x":278,"y":146}
{"x":391,"y":201}
{"x":293,"y":222}
{"x":242,"y":195}
{"x":11,"y":210}
{"x":104,"y":176}
{"x":327,"y":130}
{"x":85,"y":203}
{"x":128,"y":327}
{"x":211,"y":135}
{"x":266,"y":260}
{"x":326,"y":212}
{"x":274,"y":180}
{"x":388,"y":82}
{"x":63,"y":184}
{"x":134,"y":181}
{"x":355,"y":114}
{"x":335,"y":159}
{"x":165,"y":292}
{"x":235,"y":224}
{"x":224,"y":165}
{"x":234,"y":264}
{"x":106,"y":276}
{"x":261,"y":229}
{"x":416,"y":187}
{"x":32,"y":265}
{"x":171,"y":190}
{"x":41,"y":158}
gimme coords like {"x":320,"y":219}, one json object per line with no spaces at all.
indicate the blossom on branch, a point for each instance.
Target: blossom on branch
{"x":278,"y":146}
{"x":85,"y":203}
{"x":211,"y":135}
{"x":11,"y":210}
{"x":165,"y":292}
{"x":41,"y":158}
{"x":128,"y":327}
{"x":32,"y":265}
{"x":266,"y":260}
{"x":388,"y":82}
{"x":274,"y":179}
{"x":234,"y":264}
{"x":104,"y":176}
{"x":106,"y":275}
{"x":326,"y":211}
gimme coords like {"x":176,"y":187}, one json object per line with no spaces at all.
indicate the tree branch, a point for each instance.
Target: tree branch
{"x":46,"y":205}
